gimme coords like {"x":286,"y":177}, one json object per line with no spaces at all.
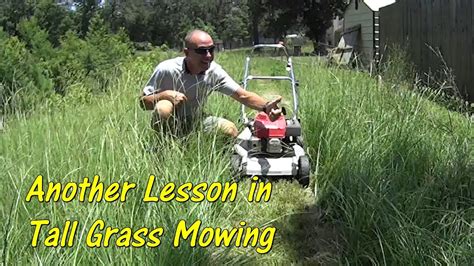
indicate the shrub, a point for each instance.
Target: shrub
{"x":31,"y":69}
{"x":22,"y":78}
{"x":93,"y":61}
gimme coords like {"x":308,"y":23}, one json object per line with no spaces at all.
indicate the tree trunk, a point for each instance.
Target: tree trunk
{"x":315,"y":46}
{"x":255,"y":33}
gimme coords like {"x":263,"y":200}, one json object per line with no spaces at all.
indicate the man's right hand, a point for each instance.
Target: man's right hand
{"x":174,"y":97}
{"x":272,"y":109}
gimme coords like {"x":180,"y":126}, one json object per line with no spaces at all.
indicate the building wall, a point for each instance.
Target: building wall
{"x":363,"y":16}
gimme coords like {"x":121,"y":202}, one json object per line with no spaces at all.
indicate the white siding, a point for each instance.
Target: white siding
{"x":363,"y":16}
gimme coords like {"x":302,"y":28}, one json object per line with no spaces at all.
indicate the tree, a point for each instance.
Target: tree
{"x":317,"y":16}
{"x":11,"y":12}
{"x":54,"y":19}
{"x":235,"y":25}
{"x":280,"y":16}
{"x":23,"y":78}
{"x":112,"y":12}
{"x":36,"y":39}
{"x":87,"y":10}
{"x":172,"y":19}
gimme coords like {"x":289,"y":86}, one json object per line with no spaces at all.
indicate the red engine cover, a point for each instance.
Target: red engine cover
{"x":265,"y":128}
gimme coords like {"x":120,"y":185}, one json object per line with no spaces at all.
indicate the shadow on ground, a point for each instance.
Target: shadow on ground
{"x":313,"y":239}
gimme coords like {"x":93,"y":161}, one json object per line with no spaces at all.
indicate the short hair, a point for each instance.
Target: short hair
{"x":187,"y":39}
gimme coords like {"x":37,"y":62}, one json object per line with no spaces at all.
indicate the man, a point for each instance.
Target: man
{"x":179,"y":87}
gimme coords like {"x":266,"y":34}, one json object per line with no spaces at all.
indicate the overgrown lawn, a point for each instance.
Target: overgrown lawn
{"x":391,"y":175}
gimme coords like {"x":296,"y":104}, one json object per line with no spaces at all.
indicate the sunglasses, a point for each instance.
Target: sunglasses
{"x":204,"y":50}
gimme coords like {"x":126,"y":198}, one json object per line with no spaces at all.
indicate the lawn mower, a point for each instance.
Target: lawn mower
{"x":266,"y":148}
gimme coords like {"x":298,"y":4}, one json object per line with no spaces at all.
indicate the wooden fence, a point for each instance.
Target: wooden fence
{"x":447,"y":25}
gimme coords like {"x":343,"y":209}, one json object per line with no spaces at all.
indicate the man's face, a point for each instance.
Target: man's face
{"x":200,"y":52}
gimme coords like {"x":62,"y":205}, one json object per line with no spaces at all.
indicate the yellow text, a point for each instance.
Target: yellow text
{"x":196,"y":193}
{"x":261,"y":239}
{"x":84,"y":191}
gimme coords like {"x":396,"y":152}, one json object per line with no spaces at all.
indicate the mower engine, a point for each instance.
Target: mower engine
{"x":271,"y":132}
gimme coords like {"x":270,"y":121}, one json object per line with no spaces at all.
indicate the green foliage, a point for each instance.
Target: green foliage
{"x":396,"y":68}
{"x":86,"y":12}
{"x":93,"y":60}
{"x":55,"y":19}
{"x":318,"y":15}
{"x":276,"y":18}
{"x":70,"y":67}
{"x":105,"y":52}
{"x":138,"y":19}
{"x":196,"y":24}
{"x":235,"y":24}
{"x":112,"y":13}
{"x":167,"y":21}
{"x":22,"y":79}
{"x":36,"y":39}
{"x":32,"y":70}
{"x":12,"y":11}
{"x":280,"y":16}
{"x":193,"y":14}
{"x":256,"y":12}
{"x":158,"y":22}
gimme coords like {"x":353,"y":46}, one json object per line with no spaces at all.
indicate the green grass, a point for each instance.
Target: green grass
{"x":391,"y":181}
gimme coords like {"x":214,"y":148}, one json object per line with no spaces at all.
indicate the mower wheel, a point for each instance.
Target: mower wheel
{"x":235,"y":162}
{"x":304,"y":169}
{"x":299,"y":141}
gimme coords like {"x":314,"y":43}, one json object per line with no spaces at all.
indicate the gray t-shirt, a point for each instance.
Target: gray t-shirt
{"x":172,"y":74}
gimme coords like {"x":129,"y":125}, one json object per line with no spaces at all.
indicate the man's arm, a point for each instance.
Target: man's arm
{"x":254,"y":101}
{"x":147,"y":102}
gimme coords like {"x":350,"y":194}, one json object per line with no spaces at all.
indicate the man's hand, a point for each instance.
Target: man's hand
{"x":148,"y":102}
{"x":256,"y":102}
{"x":272,"y":109}
{"x":175,"y":97}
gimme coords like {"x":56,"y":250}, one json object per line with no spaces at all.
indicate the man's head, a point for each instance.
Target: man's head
{"x":199,"y":51}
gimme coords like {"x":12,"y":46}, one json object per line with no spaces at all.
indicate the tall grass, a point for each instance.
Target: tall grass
{"x":392,"y":172}
{"x":396,"y":170}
